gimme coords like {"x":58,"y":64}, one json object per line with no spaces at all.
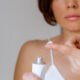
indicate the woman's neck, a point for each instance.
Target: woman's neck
{"x":70,"y":35}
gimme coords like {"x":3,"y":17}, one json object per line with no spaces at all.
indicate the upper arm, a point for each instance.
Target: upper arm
{"x":26,"y":56}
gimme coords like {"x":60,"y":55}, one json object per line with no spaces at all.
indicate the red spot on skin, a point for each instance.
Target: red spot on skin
{"x":77,"y":43}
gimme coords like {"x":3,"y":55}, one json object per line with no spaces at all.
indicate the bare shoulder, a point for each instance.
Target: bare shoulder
{"x":34,"y":43}
{"x":27,"y":54}
{"x":31,"y":44}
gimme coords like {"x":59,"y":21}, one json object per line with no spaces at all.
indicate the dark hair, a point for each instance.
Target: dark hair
{"x":45,"y":8}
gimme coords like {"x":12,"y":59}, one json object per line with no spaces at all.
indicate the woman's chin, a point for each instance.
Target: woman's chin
{"x":73,"y":29}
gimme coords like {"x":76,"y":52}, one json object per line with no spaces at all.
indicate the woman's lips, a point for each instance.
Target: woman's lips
{"x":72,"y":17}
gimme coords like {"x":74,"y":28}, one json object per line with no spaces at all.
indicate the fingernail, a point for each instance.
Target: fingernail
{"x":49,"y":42}
{"x":24,"y":77}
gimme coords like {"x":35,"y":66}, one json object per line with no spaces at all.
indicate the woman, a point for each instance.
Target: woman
{"x":66,"y":46}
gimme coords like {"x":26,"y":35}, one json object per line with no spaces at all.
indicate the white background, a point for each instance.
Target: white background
{"x":20,"y":21}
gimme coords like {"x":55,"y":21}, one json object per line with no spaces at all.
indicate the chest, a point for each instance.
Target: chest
{"x":63,"y":65}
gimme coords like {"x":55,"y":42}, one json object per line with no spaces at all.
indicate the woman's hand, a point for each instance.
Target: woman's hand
{"x":30,"y":76}
{"x":71,"y":50}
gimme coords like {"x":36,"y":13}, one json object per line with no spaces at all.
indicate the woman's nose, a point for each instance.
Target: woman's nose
{"x":72,"y":4}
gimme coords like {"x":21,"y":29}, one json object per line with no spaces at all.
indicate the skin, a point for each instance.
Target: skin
{"x":66,"y":50}
{"x":70,"y":28}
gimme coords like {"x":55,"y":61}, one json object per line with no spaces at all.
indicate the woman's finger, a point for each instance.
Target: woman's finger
{"x":60,"y":48}
{"x":73,"y":42}
{"x":29,"y":76}
{"x":68,"y":50}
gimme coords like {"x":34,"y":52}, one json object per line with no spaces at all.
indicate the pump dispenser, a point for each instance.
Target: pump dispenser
{"x":39,"y":68}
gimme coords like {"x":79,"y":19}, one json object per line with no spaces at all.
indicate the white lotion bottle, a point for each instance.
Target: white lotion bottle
{"x":39,"y":68}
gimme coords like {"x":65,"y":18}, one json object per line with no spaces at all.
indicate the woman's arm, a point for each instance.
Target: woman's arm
{"x":26,"y":56}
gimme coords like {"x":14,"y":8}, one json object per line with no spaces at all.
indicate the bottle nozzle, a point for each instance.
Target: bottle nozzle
{"x":50,"y":42}
{"x":39,"y":60}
